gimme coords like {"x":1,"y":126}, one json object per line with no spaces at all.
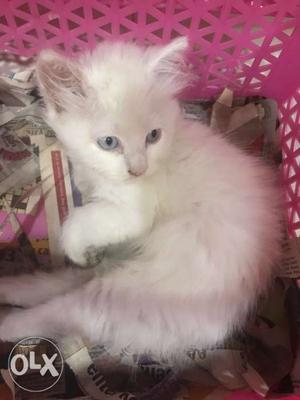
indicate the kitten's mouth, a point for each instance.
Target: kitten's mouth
{"x":135,"y":174}
{"x":134,"y":178}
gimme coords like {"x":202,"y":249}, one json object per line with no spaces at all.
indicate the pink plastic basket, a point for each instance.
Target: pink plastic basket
{"x":252,"y":46}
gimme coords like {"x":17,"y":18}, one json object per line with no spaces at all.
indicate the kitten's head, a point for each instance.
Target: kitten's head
{"x":114,"y":109}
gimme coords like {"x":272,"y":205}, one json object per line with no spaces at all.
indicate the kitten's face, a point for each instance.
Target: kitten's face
{"x":125,"y":142}
{"x":114,"y":111}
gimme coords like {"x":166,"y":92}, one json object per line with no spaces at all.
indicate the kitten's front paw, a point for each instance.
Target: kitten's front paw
{"x":93,"y":256}
{"x":76,"y":243}
{"x":73,"y":242}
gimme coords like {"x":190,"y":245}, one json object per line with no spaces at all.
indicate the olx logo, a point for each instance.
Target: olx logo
{"x":35,"y":364}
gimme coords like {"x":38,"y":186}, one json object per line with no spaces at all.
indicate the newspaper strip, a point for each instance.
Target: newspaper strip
{"x":242,"y":120}
{"x":225,"y":365}
{"x":15,"y":225}
{"x":105,"y":376}
{"x":21,"y":258}
{"x":57,"y":191}
{"x":290,"y":264}
{"x":16,"y":94}
{"x":30,"y":123}
{"x":93,"y":382}
{"x":18,"y":161}
{"x":241,"y":124}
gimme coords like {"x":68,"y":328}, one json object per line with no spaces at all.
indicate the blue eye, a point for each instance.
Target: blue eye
{"x":108,"y":142}
{"x":153,"y":136}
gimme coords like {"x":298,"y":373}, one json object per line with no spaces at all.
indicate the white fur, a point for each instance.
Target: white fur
{"x":206,"y":215}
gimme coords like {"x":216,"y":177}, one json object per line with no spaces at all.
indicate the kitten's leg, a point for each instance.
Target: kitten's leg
{"x":30,"y":289}
{"x":58,"y":317}
{"x":102,"y":224}
{"x":103,"y":310}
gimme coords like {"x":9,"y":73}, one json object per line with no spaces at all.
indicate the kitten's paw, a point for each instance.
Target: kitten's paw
{"x":73,"y":240}
{"x":76,"y":245}
{"x":93,"y":256}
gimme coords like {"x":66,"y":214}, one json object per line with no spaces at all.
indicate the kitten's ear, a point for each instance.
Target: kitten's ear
{"x":60,"y":81}
{"x":167,"y":64}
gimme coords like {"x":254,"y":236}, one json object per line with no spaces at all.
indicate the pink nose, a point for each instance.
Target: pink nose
{"x":136,"y":172}
{"x":136,"y":164}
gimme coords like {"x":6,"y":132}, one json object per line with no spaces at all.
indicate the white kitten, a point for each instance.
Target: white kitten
{"x":206,"y":215}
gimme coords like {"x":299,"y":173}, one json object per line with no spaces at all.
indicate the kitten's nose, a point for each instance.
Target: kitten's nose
{"x":137,"y":165}
{"x":135,"y":172}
